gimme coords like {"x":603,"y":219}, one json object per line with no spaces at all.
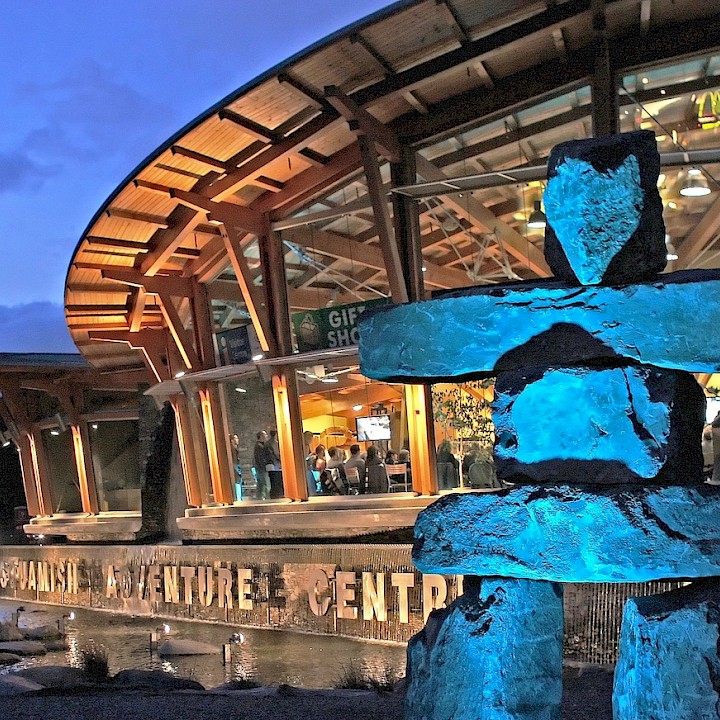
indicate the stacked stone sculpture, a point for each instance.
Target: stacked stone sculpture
{"x":598,"y":423}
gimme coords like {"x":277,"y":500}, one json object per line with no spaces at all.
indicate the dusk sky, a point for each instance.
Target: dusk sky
{"x":88,"y":90}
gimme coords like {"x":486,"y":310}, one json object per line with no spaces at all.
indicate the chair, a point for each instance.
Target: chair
{"x":482,"y":475}
{"x":397,"y":477}
{"x":352,"y":475}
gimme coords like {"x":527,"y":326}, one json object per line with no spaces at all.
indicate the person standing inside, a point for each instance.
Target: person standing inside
{"x":356,"y":462}
{"x":261,"y":459}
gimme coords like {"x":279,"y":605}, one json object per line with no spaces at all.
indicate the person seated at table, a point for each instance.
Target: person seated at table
{"x":391,"y":457}
{"x":473,"y":455}
{"x":356,"y":462}
{"x":335,"y":462}
{"x":404,"y":457}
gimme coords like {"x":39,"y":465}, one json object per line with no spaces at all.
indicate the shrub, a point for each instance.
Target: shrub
{"x":94,"y":662}
{"x":359,"y":677}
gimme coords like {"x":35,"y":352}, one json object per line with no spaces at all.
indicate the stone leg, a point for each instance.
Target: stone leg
{"x":669,"y":663}
{"x":494,"y":654}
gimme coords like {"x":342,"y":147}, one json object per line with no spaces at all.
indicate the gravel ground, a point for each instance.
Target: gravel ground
{"x":587,"y":697}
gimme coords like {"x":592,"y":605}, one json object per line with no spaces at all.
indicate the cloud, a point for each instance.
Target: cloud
{"x":90,"y":114}
{"x":37,"y":327}
{"x":19,"y":172}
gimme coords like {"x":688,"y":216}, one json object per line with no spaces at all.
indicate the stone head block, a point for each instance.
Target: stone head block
{"x":604,"y":210}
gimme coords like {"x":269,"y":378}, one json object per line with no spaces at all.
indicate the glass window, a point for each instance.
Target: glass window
{"x":465,"y":434}
{"x":355,"y":431}
{"x":680,"y":103}
{"x":114,"y":447}
{"x":62,"y":471}
{"x":250,"y":425}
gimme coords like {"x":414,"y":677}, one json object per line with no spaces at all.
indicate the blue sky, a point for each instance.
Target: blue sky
{"x":88,"y":89}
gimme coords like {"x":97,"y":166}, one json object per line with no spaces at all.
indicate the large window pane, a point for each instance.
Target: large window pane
{"x":115,"y":457}
{"x":64,"y":484}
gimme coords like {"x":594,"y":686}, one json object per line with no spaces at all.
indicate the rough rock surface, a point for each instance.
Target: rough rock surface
{"x":54,"y":676}
{"x":495,"y":653}
{"x":573,"y":533}
{"x":604,"y":210}
{"x":612,"y":425}
{"x":7,"y":658}
{"x":42,"y":633}
{"x":23,"y":647}
{"x":481,"y":331}
{"x":669,"y":665}
{"x":153,"y":680}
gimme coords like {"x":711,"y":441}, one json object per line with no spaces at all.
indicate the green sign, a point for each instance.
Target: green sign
{"x":332,"y":327}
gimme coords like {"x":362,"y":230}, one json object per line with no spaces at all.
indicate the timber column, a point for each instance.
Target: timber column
{"x":418,"y":398}
{"x":286,"y":398}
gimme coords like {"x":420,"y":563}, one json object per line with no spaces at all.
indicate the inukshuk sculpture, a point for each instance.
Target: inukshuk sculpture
{"x":598,"y":423}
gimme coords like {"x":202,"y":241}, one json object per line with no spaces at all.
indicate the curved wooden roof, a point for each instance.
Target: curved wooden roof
{"x":432,"y":72}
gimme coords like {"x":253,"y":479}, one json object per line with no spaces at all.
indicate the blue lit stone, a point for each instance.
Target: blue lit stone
{"x":483,"y":330}
{"x":604,"y":210}
{"x":613,"y":425}
{"x":573,"y":533}
{"x":668,"y":666}
{"x":494,"y":654}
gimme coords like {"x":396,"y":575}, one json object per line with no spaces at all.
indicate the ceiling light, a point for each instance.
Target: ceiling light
{"x":357,"y":408}
{"x":537,"y":217}
{"x":424,"y":269}
{"x":695,"y":184}
{"x":329,"y":379}
{"x":240,"y":390}
{"x":645,"y":81}
{"x":179,"y":374}
{"x":94,"y":426}
{"x":257,"y":357}
{"x":6,"y":443}
{"x":673,"y":205}
{"x":663,"y":92}
{"x":55,"y":432}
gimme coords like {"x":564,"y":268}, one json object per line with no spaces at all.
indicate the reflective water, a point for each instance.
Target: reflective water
{"x":270,"y":657}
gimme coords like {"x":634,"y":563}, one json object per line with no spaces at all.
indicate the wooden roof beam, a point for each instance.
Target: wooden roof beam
{"x":116,"y":212}
{"x":296,"y":141}
{"x":181,"y":336}
{"x":137,"y":309}
{"x":453,"y":20}
{"x":251,"y":293}
{"x":250,"y":127}
{"x":362,"y":121}
{"x":366,"y":45}
{"x":465,"y":205}
{"x":152,"y":344}
{"x":309,"y":183}
{"x":165,"y":243}
{"x":154,"y":285}
{"x":237,"y":216}
{"x":211,"y":162}
{"x":699,"y":238}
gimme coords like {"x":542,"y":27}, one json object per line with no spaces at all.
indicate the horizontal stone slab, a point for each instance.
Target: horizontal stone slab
{"x":483,"y":330}
{"x":604,"y":210}
{"x":611,"y":425}
{"x":669,"y":661}
{"x":573,"y":533}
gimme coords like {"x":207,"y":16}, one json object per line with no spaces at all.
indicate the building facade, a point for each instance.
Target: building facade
{"x":400,"y":157}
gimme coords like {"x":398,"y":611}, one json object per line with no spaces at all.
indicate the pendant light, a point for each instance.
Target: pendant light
{"x":537,"y":219}
{"x":695,"y":184}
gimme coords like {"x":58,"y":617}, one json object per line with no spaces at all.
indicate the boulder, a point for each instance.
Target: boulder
{"x":578,"y":533}
{"x":42,"y":633}
{"x":23,"y":647}
{"x":7,"y":658}
{"x":10,"y":633}
{"x":612,"y":425}
{"x":54,"y":676}
{"x":604,"y":212}
{"x":485,"y":330}
{"x":669,"y":662}
{"x":496,"y":652}
{"x":153,"y":680}
{"x":14,"y":685}
{"x":179,"y":646}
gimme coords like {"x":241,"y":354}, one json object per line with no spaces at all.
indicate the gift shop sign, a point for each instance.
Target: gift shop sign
{"x":332,"y":327}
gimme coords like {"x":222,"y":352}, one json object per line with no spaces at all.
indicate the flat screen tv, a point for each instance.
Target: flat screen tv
{"x":373,"y":427}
